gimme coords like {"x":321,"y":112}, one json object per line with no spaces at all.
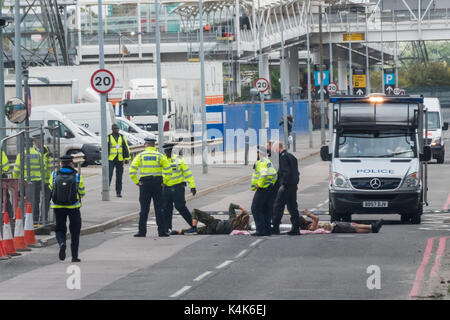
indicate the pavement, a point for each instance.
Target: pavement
{"x":98,"y":216}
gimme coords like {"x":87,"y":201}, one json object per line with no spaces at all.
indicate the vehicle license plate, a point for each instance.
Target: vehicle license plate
{"x":375,"y":204}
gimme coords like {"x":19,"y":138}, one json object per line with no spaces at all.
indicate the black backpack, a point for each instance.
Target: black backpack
{"x":65,"y":188}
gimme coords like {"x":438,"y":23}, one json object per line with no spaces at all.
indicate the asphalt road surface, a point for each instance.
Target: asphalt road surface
{"x":115,"y":265}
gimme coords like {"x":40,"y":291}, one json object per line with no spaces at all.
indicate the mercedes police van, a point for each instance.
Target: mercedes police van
{"x":378,"y":157}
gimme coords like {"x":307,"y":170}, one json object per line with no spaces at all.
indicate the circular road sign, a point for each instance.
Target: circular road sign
{"x":397,"y":91}
{"x":102,"y":81}
{"x":332,"y":88}
{"x":262,"y":85}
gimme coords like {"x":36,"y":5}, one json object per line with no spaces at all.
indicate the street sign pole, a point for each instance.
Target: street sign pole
{"x":322,"y":102}
{"x":262,"y":135}
{"x":17,"y":50}
{"x":158,"y":78}
{"x":104,"y":132}
{"x":367,"y":56}
{"x":308,"y":49}
{"x":2,"y":87}
{"x":202,"y":76}
{"x":283,"y":80}
{"x":350,"y":67}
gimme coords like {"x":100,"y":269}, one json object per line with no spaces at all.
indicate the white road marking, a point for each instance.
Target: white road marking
{"x":204,"y":274}
{"x":181,"y":291}
{"x":254,"y":243}
{"x":227,"y":262}
{"x":241,"y":253}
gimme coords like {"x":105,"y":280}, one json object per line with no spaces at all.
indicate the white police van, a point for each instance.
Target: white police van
{"x":434,"y":136}
{"x":378,"y":157}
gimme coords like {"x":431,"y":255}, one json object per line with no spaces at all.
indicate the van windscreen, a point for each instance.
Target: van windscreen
{"x":142,"y":107}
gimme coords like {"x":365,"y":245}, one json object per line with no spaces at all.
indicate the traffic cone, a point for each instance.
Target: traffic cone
{"x":8,"y":241}
{"x":30,"y":239}
{"x":3,"y":254}
{"x":19,"y":238}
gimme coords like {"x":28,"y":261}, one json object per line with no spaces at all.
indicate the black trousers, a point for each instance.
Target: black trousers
{"x":35,"y":199}
{"x":175,"y":196}
{"x":151,"y":189}
{"x":74,"y":215}
{"x":286,"y":196}
{"x":119,"y":173}
{"x":262,"y":205}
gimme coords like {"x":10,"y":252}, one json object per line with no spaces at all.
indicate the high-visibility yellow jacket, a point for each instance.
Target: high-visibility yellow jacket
{"x":116,"y":148}
{"x":149,"y":163}
{"x":264,"y":174}
{"x":35,"y":165}
{"x":5,"y":163}
{"x":177,"y":172}
{"x":48,"y":165}
{"x":80,"y":187}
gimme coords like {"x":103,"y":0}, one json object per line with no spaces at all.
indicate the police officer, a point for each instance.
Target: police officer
{"x":288,"y":177}
{"x":35,"y":155}
{"x":119,"y":152}
{"x":263,"y":180}
{"x":150,"y":163}
{"x":5,"y":168}
{"x":175,"y":178}
{"x":62,"y":211}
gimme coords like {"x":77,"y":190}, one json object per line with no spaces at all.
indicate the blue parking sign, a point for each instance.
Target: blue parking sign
{"x":326,"y":78}
{"x":389,"y":79}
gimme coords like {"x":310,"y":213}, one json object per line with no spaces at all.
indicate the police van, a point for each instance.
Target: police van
{"x":434,"y":136}
{"x":378,"y":157}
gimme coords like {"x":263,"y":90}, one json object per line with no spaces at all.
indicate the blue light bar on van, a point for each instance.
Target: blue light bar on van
{"x":389,"y":99}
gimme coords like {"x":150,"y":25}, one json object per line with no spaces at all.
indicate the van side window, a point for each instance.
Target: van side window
{"x":63,"y":131}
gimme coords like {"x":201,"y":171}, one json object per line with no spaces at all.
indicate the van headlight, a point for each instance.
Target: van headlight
{"x":412,"y":180}
{"x":436,"y":141}
{"x":338,"y":181}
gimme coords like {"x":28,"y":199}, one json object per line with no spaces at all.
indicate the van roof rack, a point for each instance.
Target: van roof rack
{"x":386,"y":99}
{"x":378,"y":110}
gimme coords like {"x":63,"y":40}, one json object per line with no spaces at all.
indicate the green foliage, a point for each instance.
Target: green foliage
{"x":375,"y":81}
{"x":275,"y":84}
{"x":428,"y":74}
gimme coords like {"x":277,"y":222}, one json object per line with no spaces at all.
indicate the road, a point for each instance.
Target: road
{"x":116,"y":265}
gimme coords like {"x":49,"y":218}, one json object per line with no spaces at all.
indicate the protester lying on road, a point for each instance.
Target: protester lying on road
{"x":216,"y":226}
{"x":338,"y":227}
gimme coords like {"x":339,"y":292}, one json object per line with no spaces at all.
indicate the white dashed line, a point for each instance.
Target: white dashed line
{"x":254,"y":243}
{"x":227,"y":262}
{"x":181,"y":291}
{"x":204,"y":274}
{"x":241,"y":253}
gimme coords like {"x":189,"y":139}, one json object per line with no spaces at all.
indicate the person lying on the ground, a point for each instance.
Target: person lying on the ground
{"x":235,"y":221}
{"x":338,"y":227}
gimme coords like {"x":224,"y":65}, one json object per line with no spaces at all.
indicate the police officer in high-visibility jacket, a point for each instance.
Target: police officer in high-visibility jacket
{"x":119,"y":152}
{"x":174,"y":180}
{"x":150,"y":163}
{"x":263,"y":180}
{"x":5,"y":168}
{"x":67,"y":187}
{"x":35,"y":154}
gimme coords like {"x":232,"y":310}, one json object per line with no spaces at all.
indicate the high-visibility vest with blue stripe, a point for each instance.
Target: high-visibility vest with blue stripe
{"x":178,"y":172}
{"x":149,"y":163}
{"x":80,"y":194}
{"x":264,"y":174}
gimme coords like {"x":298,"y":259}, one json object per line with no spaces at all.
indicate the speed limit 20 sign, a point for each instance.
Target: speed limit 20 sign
{"x":262,"y":85}
{"x":102,"y":81}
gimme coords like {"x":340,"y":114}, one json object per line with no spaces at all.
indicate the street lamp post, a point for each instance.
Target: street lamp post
{"x":283,"y":79}
{"x":254,"y":92}
{"x":322,"y":96}
{"x":308,"y":49}
{"x":203,"y":95}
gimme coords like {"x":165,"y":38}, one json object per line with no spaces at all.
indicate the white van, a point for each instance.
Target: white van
{"x":126,"y":125}
{"x":87,"y":115}
{"x":434,"y":136}
{"x":72,"y":138}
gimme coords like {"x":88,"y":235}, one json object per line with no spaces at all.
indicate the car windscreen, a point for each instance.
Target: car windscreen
{"x":376,"y":144}
{"x":143,"y":107}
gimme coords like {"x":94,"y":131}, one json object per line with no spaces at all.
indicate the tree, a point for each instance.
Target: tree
{"x":427,"y":74}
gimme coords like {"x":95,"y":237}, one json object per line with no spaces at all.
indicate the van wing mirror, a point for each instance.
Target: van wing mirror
{"x":445,"y":127}
{"x":426,"y":155}
{"x":325,"y":153}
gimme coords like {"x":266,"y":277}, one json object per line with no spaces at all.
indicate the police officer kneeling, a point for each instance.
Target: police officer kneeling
{"x":150,"y":163}
{"x":67,"y":188}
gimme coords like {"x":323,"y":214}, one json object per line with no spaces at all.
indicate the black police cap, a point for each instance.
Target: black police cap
{"x":169,"y":146}
{"x":36,"y":136}
{"x":67,"y":158}
{"x":150,"y":139}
